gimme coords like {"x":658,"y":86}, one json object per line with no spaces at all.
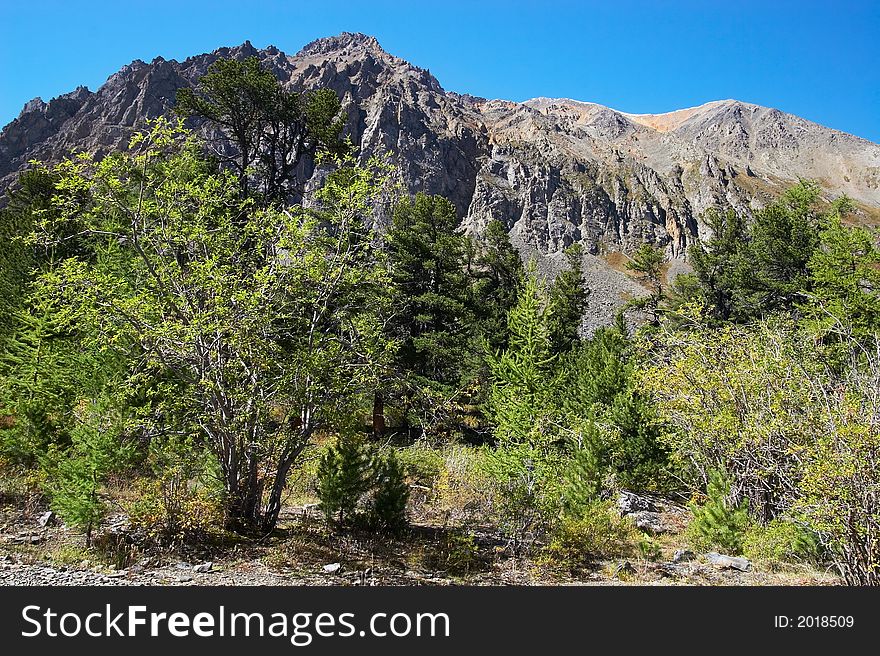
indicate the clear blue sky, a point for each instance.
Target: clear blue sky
{"x":815,"y":59}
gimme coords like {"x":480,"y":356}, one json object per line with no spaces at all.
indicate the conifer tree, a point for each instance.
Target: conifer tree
{"x":77,"y":473}
{"x":41,"y":374}
{"x":432,"y":318}
{"x":717,"y":523}
{"x":268,"y":130}
{"x":719,"y":262}
{"x":568,"y":302}
{"x":523,"y":375}
{"x":498,"y":272}
{"x":647,"y":264}
{"x":388,"y":506}
{"x":344,"y":477}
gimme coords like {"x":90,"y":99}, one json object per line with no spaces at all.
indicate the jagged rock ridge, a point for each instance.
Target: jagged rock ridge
{"x":555,"y":171}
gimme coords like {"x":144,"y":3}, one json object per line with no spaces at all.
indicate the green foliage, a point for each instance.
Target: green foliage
{"x":268,"y":128}
{"x":718,"y":523}
{"x":647,"y":264}
{"x":567,"y":302}
{"x":753,"y":271}
{"x":781,"y":541}
{"x":256,"y":337}
{"x":18,"y":259}
{"x":181,"y":503}
{"x":526,"y":481}
{"x":720,"y":263}
{"x":432,"y":318}
{"x":597,"y":371}
{"x":845,"y":277}
{"x":344,"y":476}
{"x":421,"y":463}
{"x":523,"y":377}
{"x":636,"y":452}
{"x":76,"y":474}
{"x":597,"y":533}
{"x":740,"y":399}
{"x":583,"y":475}
{"x":599,"y":395}
{"x":841,"y":474}
{"x":388,"y":507}
{"x":497,"y":273}
{"x":357,"y":485}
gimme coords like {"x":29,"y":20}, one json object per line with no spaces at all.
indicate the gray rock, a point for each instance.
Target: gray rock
{"x":628,"y":503}
{"x":729,"y":562}
{"x":46,"y":518}
{"x":555,"y":171}
{"x":331,"y":568}
{"x":651,"y":522}
{"x":203,"y":568}
{"x":683,"y":556}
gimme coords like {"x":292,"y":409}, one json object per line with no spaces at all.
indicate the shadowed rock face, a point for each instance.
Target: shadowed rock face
{"x":555,"y":171}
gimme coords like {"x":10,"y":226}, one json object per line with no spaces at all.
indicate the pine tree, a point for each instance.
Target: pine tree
{"x":344,"y":477}
{"x":388,"y":506}
{"x":17,"y":258}
{"x":432,"y":318}
{"x":498,"y":272}
{"x":719,"y":262}
{"x":597,"y":371}
{"x":568,"y":302}
{"x":717,"y":523}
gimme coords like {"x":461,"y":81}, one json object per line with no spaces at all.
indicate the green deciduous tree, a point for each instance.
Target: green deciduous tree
{"x":261,"y":326}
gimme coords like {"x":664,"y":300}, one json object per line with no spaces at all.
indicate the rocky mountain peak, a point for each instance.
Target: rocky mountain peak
{"x":346,"y":42}
{"x":554,"y":170}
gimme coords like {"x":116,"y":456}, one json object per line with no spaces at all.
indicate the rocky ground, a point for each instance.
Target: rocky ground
{"x":36,"y":549}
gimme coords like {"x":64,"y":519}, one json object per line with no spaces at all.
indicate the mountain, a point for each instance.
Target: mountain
{"x":555,"y":171}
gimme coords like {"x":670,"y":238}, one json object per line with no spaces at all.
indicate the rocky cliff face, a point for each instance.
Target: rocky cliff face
{"x":555,"y":171}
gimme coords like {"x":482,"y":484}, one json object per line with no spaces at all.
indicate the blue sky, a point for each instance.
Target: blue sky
{"x":815,"y":59}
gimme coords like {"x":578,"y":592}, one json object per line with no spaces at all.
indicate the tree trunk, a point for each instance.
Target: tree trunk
{"x":378,"y":414}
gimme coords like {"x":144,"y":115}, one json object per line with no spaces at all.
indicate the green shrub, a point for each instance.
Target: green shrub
{"x":388,"y":507}
{"x":181,"y":502}
{"x":421,"y":464}
{"x":717,"y":524}
{"x":344,"y":477}
{"x":781,"y":541}
{"x":526,"y":482}
{"x":598,"y":533}
{"x":358,"y":486}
